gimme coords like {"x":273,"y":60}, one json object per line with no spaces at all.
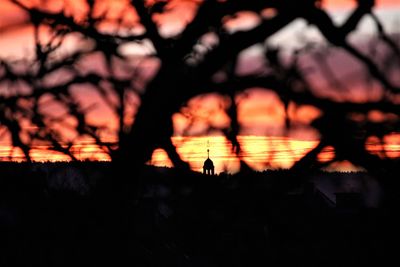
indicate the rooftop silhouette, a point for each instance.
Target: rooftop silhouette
{"x":208,"y":167}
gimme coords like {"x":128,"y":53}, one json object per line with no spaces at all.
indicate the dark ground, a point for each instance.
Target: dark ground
{"x":69,"y":215}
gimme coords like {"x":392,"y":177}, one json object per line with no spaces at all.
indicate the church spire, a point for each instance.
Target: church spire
{"x":208,"y":167}
{"x":208,"y":149}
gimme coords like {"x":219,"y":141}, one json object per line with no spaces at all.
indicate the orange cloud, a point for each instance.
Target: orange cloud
{"x":259,"y":152}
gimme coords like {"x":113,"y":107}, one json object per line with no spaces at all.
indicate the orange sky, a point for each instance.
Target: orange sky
{"x":16,"y":34}
{"x":10,"y":14}
{"x":260,"y":152}
{"x":260,"y":114}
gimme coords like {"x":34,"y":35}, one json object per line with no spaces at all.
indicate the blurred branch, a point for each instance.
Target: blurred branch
{"x":151,"y":28}
{"x":337,"y":36}
{"x":385,"y":37}
{"x":183,"y":74}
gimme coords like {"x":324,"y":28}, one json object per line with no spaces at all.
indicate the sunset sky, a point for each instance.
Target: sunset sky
{"x":260,"y":112}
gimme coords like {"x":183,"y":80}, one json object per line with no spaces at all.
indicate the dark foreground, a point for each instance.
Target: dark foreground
{"x":68,"y":215}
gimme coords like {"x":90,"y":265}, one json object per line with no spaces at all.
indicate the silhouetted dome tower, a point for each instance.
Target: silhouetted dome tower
{"x":208,"y":167}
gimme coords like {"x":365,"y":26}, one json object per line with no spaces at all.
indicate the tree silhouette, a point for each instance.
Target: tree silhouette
{"x":184,"y":66}
{"x":131,"y":64}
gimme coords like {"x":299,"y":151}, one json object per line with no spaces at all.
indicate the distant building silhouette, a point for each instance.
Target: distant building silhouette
{"x":208,"y":167}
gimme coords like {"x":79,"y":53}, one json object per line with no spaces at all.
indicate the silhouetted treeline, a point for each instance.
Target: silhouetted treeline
{"x":186,"y":219}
